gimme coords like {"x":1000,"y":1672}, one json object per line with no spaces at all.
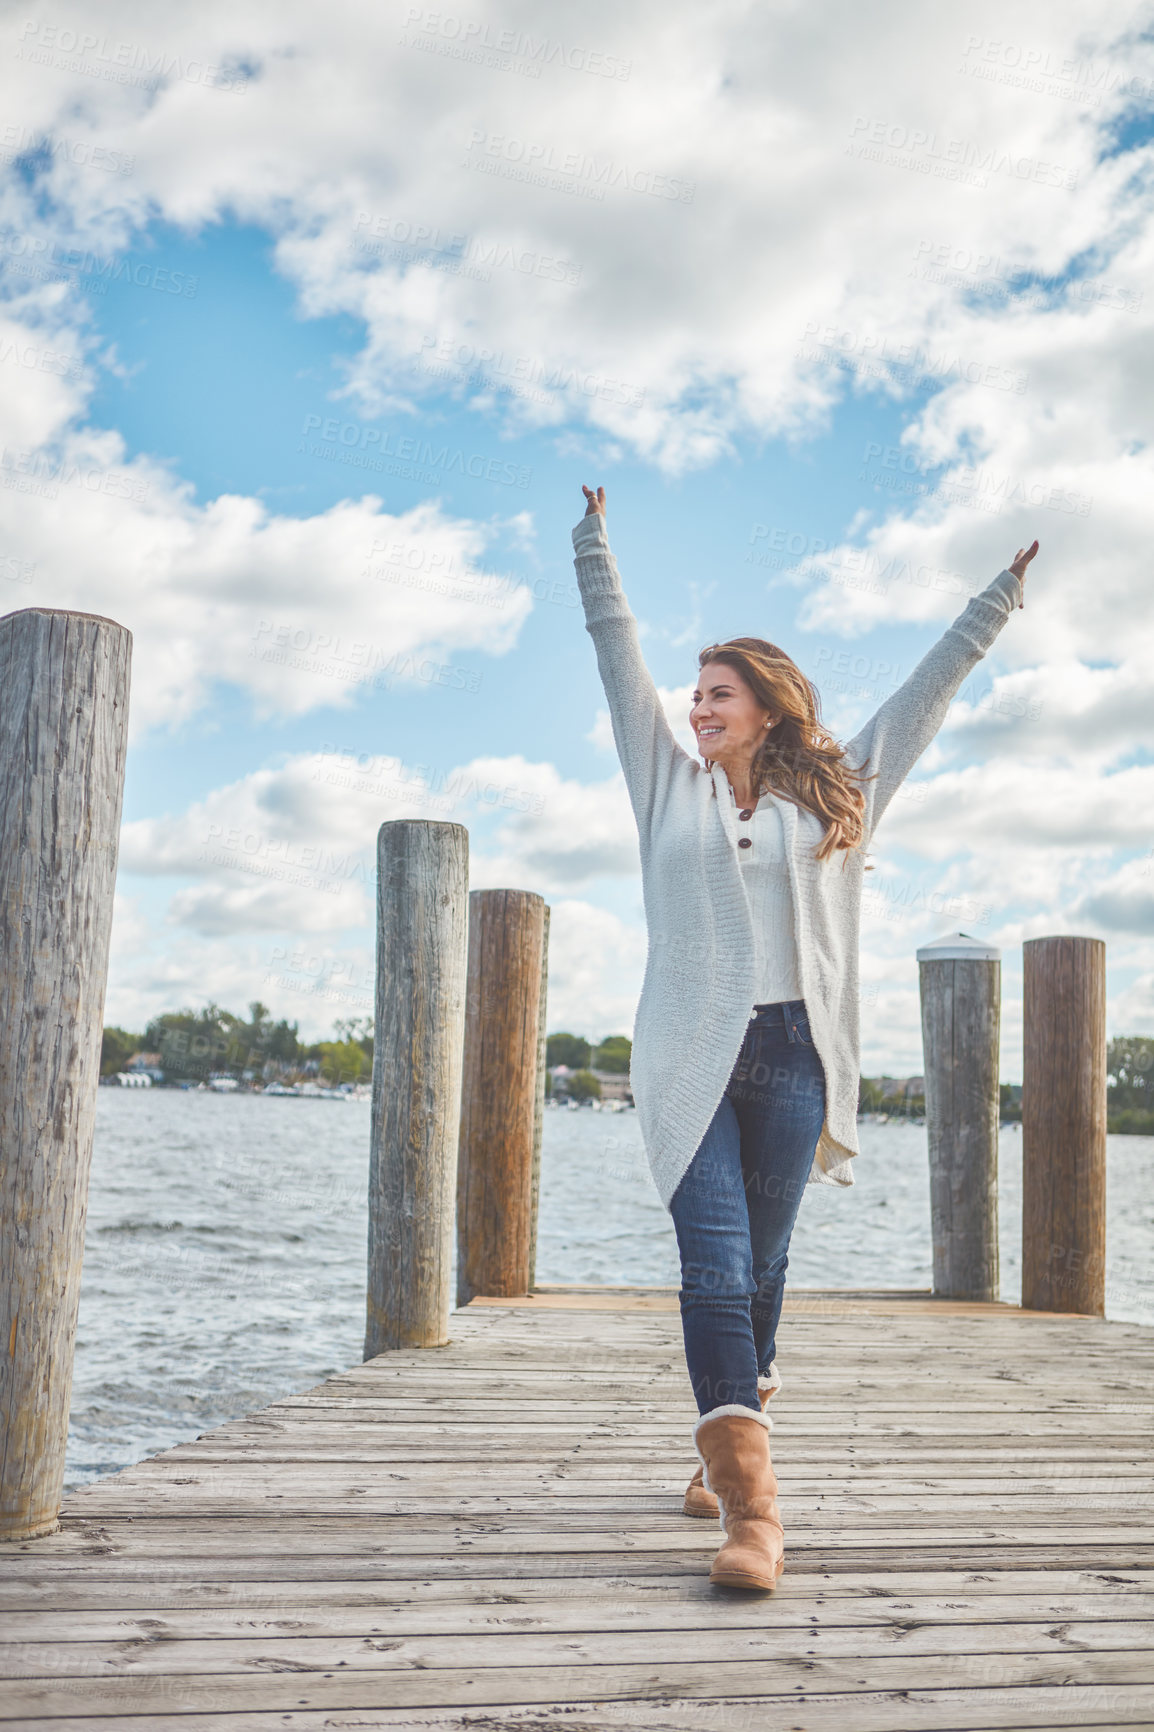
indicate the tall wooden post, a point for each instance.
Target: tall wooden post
{"x":961,"y":995}
{"x":498,"y":1104}
{"x":539,"y":1101}
{"x":1064,"y":1125}
{"x":63,"y":729}
{"x":422,"y":919}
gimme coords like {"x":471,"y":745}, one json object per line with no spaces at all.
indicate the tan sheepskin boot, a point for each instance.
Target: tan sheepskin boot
{"x":733,"y":1443}
{"x":698,"y":1501}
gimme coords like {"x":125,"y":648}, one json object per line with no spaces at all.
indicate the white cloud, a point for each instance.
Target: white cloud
{"x":1123,"y":903}
{"x":596,"y":962}
{"x":851,"y":221}
{"x":669,"y":309}
{"x":1027,"y":807}
{"x":291,"y":849}
{"x":302,"y":613}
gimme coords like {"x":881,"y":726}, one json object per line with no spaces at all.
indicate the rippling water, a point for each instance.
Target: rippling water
{"x":225,"y":1260}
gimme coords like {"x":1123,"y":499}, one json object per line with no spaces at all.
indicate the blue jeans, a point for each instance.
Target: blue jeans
{"x":736,"y":1204}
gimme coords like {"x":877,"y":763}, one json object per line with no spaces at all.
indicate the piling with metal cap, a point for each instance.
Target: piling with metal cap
{"x":961,"y":990}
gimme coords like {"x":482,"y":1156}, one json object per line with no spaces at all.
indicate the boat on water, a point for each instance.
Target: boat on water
{"x":311,"y":1091}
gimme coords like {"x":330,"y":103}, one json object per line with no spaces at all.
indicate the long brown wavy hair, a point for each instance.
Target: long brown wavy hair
{"x":799,"y":760}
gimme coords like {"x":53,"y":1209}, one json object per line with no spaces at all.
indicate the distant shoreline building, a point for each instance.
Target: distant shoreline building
{"x":147,"y":1063}
{"x":614,"y":1084}
{"x":901,"y":1088}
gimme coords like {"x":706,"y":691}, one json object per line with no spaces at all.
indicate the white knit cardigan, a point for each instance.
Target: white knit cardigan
{"x":698,"y":991}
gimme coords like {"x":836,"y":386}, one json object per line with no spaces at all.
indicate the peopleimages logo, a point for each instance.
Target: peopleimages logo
{"x":43,"y":473}
{"x":928,"y":152}
{"x":424,"y":243}
{"x":50,"y":258}
{"x":364,"y":447}
{"x":517,"y":158}
{"x":121,"y":62}
{"x":22,"y":141}
{"x":513,"y":49}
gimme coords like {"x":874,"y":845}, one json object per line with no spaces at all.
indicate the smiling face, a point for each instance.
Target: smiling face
{"x":727,"y":718}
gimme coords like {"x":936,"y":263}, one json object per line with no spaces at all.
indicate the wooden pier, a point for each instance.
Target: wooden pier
{"x":489,"y":1535}
{"x":481,"y":1526}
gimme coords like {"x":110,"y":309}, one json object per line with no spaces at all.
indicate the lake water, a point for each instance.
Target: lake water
{"x":225,"y":1259}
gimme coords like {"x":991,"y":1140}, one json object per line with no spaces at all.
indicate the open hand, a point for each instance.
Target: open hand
{"x":597,"y":502}
{"x":1025,"y":555}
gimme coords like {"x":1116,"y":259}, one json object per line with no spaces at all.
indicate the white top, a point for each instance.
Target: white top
{"x":700,"y":975}
{"x":765,"y":875}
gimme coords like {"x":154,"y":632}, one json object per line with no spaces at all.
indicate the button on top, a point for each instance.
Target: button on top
{"x":745,"y":842}
{"x":746,"y":816}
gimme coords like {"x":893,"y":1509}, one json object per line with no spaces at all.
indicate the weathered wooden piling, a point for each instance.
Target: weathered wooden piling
{"x":63,"y":728}
{"x":961,"y":994}
{"x":422,"y":919}
{"x":499,"y":1093}
{"x":1064,"y":1125}
{"x":539,"y":1100}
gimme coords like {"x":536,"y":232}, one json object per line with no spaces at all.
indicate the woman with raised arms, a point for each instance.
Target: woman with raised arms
{"x":745,"y":1063}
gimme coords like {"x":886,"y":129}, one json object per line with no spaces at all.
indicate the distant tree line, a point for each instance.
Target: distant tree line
{"x":196,"y":1044}
{"x":611,"y":1054}
{"x":1130,"y":1085}
{"x":1129,"y":1091}
{"x":887,"y":1094}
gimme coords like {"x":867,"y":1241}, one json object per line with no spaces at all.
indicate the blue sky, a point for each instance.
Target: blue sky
{"x":221,"y":386}
{"x":824,"y":387}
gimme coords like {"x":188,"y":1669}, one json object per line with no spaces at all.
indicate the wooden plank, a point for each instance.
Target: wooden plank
{"x":330,"y":1494}
{"x":240,"y":1472}
{"x":800,"y":1604}
{"x":389,"y":1540}
{"x":810,"y":1389}
{"x":419,"y":1687}
{"x":858,"y":1525}
{"x":1014,"y":1709}
{"x":399,"y":1427}
{"x":927,"y":1470}
{"x":1084,"y":1471}
{"x":383,"y":1649}
{"x":663,"y":1594}
{"x":659,"y":1426}
{"x":795,"y":1304}
{"x":1051,"y":1471}
{"x":505,"y":1577}
{"x":604,"y":1403}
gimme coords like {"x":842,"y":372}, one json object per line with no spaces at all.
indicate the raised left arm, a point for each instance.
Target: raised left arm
{"x":898,"y":733}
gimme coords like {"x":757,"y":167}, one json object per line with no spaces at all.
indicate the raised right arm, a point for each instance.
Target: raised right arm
{"x":645,"y":744}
